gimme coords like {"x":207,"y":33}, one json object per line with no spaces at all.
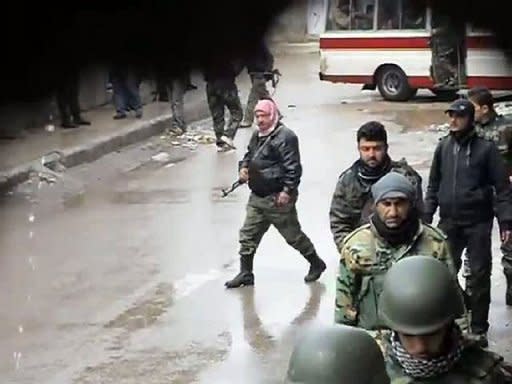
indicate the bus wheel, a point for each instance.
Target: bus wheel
{"x":445,"y":94}
{"x":393,"y":84}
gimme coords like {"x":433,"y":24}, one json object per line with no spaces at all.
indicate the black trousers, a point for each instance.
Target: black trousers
{"x":476,"y":239}
{"x":68,"y":87}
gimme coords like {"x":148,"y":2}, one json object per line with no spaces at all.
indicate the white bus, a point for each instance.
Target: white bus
{"x":397,"y":48}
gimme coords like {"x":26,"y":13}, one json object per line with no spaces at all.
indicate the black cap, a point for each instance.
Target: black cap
{"x":462,"y":107}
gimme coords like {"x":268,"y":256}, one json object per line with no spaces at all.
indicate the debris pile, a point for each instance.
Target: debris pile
{"x":190,"y":139}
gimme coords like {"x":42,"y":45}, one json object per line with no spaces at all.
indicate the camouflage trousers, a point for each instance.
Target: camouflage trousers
{"x":221,"y":96}
{"x":176,"y":91}
{"x":261,"y":213}
{"x":258,"y":91}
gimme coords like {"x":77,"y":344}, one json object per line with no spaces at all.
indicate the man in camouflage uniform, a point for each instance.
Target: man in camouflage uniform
{"x":336,"y":354}
{"x":447,"y":50}
{"x":420,"y":301}
{"x":497,"y":128}
{"x":259,"y":64}
{"x":351,"y":202}
{"x":222,"y":92}
{"x":394,"y":232}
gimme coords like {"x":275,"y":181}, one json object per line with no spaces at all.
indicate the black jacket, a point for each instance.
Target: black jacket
{"x":219,"y":72}
{"x":464,"y":177}
{"x":274,"y":166}
{"x":260,"y":60}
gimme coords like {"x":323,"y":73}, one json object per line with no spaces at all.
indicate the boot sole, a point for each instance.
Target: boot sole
{"x":239,"y":285}
{"x":316,"y":277}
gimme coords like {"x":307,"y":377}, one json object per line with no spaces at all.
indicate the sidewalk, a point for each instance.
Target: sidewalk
{"x":76,"y":146}
{"x":18,"y":157}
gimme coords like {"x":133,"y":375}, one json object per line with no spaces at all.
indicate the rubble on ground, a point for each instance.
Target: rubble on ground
{"x":190,"y":139}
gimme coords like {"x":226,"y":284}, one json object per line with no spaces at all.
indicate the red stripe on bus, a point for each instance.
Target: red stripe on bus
{"x":414,"y":81}
{"x":496,"y":83}
{"x":374,"y":42}
{"x":354,"y":79}
{"x":480,"y":42}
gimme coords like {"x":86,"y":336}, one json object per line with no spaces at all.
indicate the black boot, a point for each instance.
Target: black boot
{"x":316,"y":268}
{"x":508,"y":292}
{"x":245,"y":276}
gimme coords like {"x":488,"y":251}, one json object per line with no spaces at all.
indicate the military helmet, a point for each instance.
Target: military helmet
{"x":337,"y":354}
{"x":419,"y":296}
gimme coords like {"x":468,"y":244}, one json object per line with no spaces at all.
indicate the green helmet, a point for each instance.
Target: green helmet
{"x":337,"y":354}
{"x":419,"y":296}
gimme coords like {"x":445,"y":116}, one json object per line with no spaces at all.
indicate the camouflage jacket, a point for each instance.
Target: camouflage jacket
{"x":352,"y":201}
{"x":476,"y":366}
{"x":499,"y":130}
{"x":365,"y":258}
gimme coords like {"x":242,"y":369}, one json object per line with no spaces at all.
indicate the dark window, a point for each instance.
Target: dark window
{"x":351,"y":15}
{"x":400,"y":14}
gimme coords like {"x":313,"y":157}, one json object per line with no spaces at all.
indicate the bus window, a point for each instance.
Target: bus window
{"x":350,"y":15}
{"x":400,"y":14}
{"x":339,"y":18}
{"x":414,"y":16}
{"x":389,"y":14}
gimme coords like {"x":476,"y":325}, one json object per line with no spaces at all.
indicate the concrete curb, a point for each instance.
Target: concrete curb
{"x":93,"y":150}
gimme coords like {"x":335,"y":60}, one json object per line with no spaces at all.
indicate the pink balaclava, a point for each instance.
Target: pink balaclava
{"x":268,"y":106}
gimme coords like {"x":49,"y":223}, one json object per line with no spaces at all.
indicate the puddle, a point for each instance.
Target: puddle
{"x":159,"y":366}
{"x":146,"y":312}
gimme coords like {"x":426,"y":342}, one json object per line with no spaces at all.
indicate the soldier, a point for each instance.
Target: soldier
{"x":394,"y":232}
{"x":222,"y":92}
{"x":337,"y":354}
{"x":497,"y":128}
{"x":447,"y":45}
{"x":174,"y":86}
{"x":273,"y":169}
{"x":260,"y":63}
{"x":420,"y":301}
{"x":466,"y":170}
{"x":351,"y":202}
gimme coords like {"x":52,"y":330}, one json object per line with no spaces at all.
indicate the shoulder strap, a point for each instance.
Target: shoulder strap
{"x":258,"y":151}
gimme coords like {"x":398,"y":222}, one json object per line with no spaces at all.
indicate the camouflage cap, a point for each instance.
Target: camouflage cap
{"x":337,"y":354}
{"x":393,"y":185}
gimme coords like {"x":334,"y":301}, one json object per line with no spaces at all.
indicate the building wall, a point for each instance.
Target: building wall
{"x":20,"y":117}
{"x":291,"y":25}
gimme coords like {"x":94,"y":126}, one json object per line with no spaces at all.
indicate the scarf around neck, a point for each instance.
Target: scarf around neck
{"x":427,"y":368}
{"x":373,"y":174}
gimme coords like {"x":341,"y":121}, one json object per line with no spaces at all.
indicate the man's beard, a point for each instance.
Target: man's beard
{"x":373,"y":173}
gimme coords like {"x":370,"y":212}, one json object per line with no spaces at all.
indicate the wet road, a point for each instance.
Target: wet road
{"x":115,"y":273}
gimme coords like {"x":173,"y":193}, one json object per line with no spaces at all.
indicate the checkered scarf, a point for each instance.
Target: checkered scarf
{"x":426,"y":368}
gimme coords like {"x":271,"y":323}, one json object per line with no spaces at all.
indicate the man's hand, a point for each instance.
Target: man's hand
{"x":244,"y":175}
{"x":282,"y":199}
